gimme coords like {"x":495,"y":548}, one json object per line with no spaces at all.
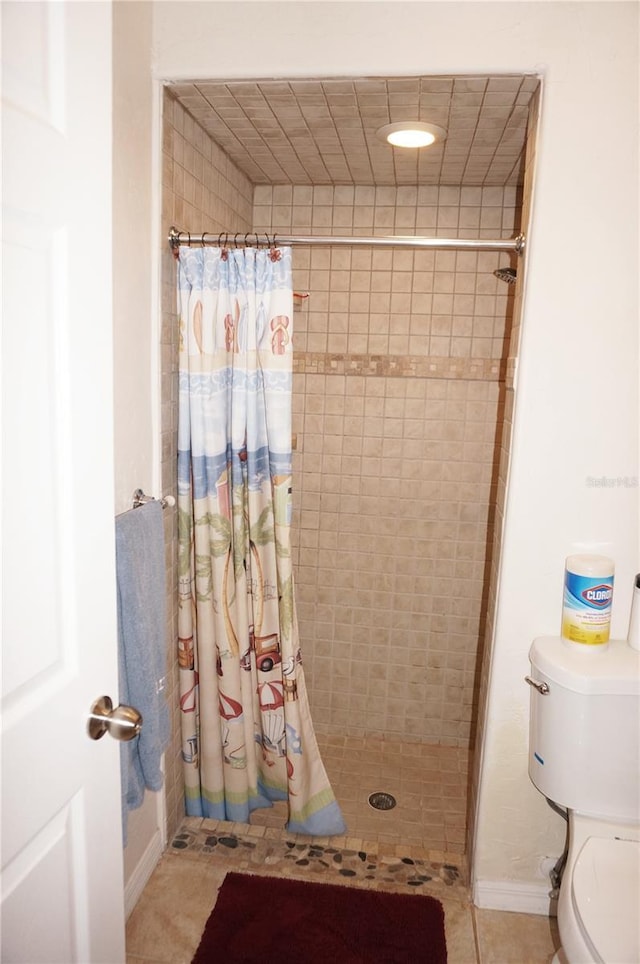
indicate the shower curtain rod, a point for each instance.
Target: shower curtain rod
{"x":253,"y":240}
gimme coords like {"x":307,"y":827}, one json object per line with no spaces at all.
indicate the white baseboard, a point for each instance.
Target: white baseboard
{"x":514,"y":896}
{"x":143,"y":870}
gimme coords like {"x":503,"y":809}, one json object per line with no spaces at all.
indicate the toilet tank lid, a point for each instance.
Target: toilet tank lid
{"x":614,"y":670}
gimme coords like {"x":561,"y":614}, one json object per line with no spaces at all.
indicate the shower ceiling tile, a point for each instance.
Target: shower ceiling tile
{"x":324,"y":131}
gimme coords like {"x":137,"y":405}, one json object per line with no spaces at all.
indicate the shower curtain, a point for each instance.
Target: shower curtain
{"x":247,"y":734}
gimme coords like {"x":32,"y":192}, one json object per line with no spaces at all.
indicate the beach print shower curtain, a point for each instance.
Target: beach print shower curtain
{"x":247,"y":734}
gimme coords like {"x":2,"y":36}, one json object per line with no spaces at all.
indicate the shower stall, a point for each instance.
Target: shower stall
{"x":403,"y":365}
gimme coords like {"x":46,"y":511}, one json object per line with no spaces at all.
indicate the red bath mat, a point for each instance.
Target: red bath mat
{"x":263,"y":920}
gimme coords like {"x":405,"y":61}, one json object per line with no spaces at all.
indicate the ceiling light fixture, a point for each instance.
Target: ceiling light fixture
{"x":411,"y":134}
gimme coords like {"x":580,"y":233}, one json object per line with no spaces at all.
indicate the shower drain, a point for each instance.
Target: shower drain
{"x":382,"y":801}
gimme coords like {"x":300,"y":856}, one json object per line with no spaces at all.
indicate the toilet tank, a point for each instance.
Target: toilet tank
{"x":584,"y":732}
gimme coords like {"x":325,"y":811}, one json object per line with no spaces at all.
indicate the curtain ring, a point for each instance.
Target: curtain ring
{"x":202,"y":239}
{"x":235,"y":240}
{"x":257,"y":242}
{"x":246,"y":243}
{"x":189,"y":236}
{"x":220,"y":239}
{"x":274,"y":254}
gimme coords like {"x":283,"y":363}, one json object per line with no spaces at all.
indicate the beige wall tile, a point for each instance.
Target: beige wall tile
{"x":387,"y":601}
{"x":201,"y":191}
{"x":403,"y":480}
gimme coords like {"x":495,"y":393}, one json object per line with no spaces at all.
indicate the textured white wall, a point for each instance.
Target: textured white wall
{"x":135,"y":357}
{"x":132,"y":192}
{"x":576,"y":408}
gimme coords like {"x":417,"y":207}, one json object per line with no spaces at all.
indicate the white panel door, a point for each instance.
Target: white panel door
{"x":62,"y":892}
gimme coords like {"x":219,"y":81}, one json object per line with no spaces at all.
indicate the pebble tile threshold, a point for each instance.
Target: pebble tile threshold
{"x":338,"y":859}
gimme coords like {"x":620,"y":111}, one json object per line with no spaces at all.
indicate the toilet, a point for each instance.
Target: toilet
{"x":584,"y":756}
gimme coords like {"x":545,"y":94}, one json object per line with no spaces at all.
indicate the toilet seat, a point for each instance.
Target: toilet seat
{"x":605,"y":894}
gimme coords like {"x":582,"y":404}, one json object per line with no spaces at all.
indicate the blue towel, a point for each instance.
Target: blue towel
{"x":141,"y":648}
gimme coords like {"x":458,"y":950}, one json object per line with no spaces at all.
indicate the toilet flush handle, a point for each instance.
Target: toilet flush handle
{"x":540,"y":687}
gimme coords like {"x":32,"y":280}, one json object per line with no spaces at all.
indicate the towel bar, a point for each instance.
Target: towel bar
{"x":139,"y":498}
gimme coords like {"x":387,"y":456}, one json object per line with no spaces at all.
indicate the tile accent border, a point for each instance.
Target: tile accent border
{"x":398,"y":366}
{"x":340,"y":860}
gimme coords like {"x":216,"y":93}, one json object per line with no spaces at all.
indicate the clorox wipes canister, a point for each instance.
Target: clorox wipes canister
{"x":588,"y":592}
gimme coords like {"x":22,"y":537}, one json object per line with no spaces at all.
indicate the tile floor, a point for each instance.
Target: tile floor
{"x":417,"y":847}
{"x":166,"y":924}
{"x":428,"y":782}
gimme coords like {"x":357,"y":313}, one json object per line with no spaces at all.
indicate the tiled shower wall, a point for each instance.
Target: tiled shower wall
{"x":201,"y":190}
{"x":393,"y":486}
{"x":394,"y":301}
{"x":396,"y":391}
